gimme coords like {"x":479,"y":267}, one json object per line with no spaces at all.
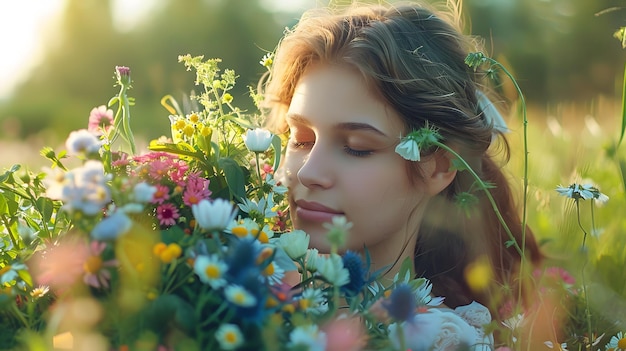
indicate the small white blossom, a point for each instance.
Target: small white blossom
{"x":294,"y":243}
{"x":210,"y":269}
{"x":332,"y":269}
{"x":239,"y":296}
{"x":81,"y":142}
{"x":307,"y":337}
{"x":409,"y":149}
{"x":213,"y":215}
{"x":229,"y":336}
{"x":263,"y":206}
{"x":258,"y":140}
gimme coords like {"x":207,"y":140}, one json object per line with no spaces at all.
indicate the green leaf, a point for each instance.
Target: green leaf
{"x":277,"y":145}
{"x":621,"y":135}
{"x":4,"y":208}
{"x":234,"y":177}
{"x":46,"y":208}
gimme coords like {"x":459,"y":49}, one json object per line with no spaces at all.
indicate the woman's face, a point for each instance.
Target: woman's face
{"x":341,"y":160}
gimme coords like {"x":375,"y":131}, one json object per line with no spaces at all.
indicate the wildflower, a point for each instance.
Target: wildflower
{"x":263,"y":208}
{"x":423,"y":295}
{"x":210,"y":269}
{"x":410,"y":146}
{"x":239,"y":296}
{"x":82,"y":142}
{"x":229,"y":336}
{"x":479,"y":274}
{"x":39,"y":292}
{"x":294,"y":243}
{"x":112,"y":227}
{"x":582,"y":191}
{"x":244,"y":228}
{"x":617,"y":343}
{"x":144,"y":192}
{"x":313,"y":301}
{"x":61,"y":265}
{"x":307,"y":337}
{"x":331,"y":268}
{"x":401,"y":304}
{"x":337,"y":231}
{"x":100,"y":120}
{"x":311,"y":260}
{"x":197,"y":188}
{"x":213,"y":215}
{"x":267,"y":59}
{"x":83,"y":189}
{"x":227,"y":99}
{"x":95,"y":274}
{"x":353,"y":263}
{"x":123,"y":74}
{"x":167,"y":253}
{"x":167,"y":214}
{"x":161,"y":194}
{"x":408,"y":149}
{"x":258,"y":140}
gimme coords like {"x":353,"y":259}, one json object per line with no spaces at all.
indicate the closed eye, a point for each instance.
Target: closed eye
{"x":357,"y":153}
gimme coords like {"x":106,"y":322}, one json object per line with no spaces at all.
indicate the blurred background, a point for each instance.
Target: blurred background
{"x":57,"y":57}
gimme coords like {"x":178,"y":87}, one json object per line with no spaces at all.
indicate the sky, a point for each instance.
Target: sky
{"x":25,"y":23}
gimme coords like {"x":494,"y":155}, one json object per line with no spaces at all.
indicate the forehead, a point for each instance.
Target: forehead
{"x":336,"y":94}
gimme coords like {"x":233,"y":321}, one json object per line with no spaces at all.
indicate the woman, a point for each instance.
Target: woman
{"x":346,"y":86}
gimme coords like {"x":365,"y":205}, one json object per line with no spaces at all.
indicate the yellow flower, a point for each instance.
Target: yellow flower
{"x":194,"y":118}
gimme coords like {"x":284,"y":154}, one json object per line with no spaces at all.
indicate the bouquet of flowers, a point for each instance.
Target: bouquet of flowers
{"x":185,"y":246}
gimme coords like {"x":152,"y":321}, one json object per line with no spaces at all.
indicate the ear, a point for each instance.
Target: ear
{"x":438,"y":172}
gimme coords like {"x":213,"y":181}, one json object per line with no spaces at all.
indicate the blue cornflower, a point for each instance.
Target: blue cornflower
{"x":401,"y":303}
{"x":354,"y":264}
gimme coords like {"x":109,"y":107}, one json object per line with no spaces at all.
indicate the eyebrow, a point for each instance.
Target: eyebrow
{"x":350,"y":126}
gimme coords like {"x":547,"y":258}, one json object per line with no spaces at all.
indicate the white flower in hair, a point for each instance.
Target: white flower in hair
{"x":409,"y":149}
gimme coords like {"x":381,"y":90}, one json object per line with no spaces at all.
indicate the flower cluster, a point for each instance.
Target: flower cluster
{"x":186,"y":246}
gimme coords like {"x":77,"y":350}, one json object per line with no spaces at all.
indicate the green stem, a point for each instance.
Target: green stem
{"x":584,"y":284}
{"x":484,"y":187}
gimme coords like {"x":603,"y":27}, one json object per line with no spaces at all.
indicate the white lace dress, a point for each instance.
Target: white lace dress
{"x":445,"y":329}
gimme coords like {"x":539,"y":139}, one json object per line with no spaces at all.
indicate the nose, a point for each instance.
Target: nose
{"x":316,"y":171}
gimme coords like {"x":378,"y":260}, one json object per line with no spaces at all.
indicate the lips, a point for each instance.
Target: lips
{"x":315,"y":212}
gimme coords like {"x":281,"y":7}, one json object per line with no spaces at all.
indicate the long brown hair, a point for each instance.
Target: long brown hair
{"x":413,"y":58}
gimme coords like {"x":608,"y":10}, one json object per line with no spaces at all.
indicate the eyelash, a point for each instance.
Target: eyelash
{"x":346,"y":149}
{"x":356,"y":153}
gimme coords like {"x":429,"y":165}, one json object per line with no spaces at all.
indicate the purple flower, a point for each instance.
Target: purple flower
{"x":123,"y":74}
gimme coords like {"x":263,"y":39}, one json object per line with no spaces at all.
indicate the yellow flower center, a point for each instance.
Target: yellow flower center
{"x":230,"y":337}
{"x":263,"y":238}
{"x":93,"y":264}
{"x":180,"y":124}
{"x":240,"y":231}
{"x":304,"y":304}
{"x":212,"y":271}
{"x":193,"y":200}
{"x":621,"y":343}
{"x":194,"y":118}
{"x":269,"y":270}
{"x":188,"y":130}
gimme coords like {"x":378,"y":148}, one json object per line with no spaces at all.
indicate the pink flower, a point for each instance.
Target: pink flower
{"x":345,"y":334}
{"x":61,"y":265}
{"x":100,"y":120}
{"x":95,"y":273}
{"x":161,"y":194}
{"x":197,"y":189}
{"x":167,"y":214}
